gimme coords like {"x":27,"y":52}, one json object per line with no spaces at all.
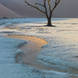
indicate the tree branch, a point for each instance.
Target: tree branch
{"x":39,"y":4}
{"x":45,"y":8}
{"x":34,"y":7}
{"x":49,"y":4}
{"x":55,"y":5}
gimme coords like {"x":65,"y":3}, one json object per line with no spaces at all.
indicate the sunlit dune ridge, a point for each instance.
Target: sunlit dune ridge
{"x":39,"y":41}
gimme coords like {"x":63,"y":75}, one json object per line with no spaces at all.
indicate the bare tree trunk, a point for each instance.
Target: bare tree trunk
{"x":49,"y":23}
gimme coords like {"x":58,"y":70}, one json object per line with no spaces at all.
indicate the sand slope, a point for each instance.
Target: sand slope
{"x":19,"y":7}
{"x":5,"y":12}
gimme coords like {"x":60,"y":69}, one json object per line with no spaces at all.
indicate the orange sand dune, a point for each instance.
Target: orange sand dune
{"x":30,"y":50}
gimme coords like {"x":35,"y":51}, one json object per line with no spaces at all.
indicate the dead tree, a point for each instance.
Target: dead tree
{"x":46,"y":7}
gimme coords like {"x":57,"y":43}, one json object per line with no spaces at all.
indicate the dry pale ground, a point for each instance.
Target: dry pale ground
{"x":65,"y":32}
